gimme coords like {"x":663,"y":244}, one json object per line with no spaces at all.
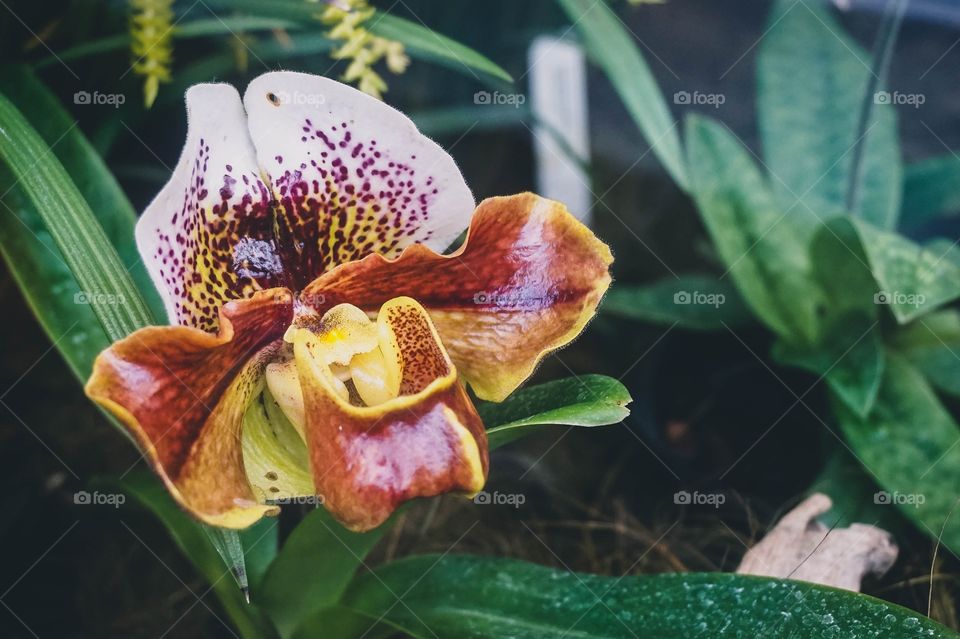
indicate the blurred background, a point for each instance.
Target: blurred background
{"x":708,"y":414}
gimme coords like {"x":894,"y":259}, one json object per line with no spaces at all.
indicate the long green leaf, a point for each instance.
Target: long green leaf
{"x":849,"y":357}
{"x":427,"y":44}
{"x":613,"y":48}
{"x":47,"y":284}
{"x":812,"y":81}
{"x":908,"y":442}
{"x":696,"y":302}
{"x":587,"y":400}
{"x":764,"y":250}
{"x":848,"y":350}
{"x":88,"y":170}
{"x":463,"y":597}
{"x":32,"y":256}
{"x":912,"y":280}
{"x":313,"y":569}
{"x":102,"y":277}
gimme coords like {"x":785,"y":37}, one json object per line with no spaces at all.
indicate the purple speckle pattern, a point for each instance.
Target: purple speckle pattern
{"x":219,"y":244}
{"x":348,"y":198}
{"x":231,"y":236}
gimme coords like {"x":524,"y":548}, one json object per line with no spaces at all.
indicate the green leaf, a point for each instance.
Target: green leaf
{"x":30,"y":252}
{"x":764,"y":250}
{"x":850,"y":359}
{"x":851,"y":489}
{"x":908,"y":442}
{"x":696,"y":302}
{"x":467,"y":597}
{"x":313,"y":569}
{"x":812,"y":80}
{"x":426,"y":44}
{"x":614,"y":49}
{"x":911,"y":279}
{"x":190,"y":538}
{"x":80,"y":238}
{"x":46,"y":281}
{"x":587,"y":400}
{"x":932,"y":189}
{"x":848,"y":349}
{"x":260,"y":542}
{"x":932,"y":344}
{"x":88,"y":170}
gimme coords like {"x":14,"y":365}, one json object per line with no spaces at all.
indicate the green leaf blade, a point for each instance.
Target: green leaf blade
{"x":812,"y":81}
{"x":313,"y":569}
{"x":477,"y":597}
{"x":427,"y":44}
{"x":80,"y":238}
{"x":613,"y":48}
{"x":908,"y":443}
{"x":587,"y":400}
{"x":764,"y":250}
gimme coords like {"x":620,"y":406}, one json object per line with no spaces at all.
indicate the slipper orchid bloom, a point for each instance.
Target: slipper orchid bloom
{"x":322,"y":340}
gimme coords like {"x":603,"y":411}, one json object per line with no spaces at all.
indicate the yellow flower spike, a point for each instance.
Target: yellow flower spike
{"x":151,"y":31}
{"x":397,"y":59}
{"x":372,"y":84}
{"x":361,"y":47}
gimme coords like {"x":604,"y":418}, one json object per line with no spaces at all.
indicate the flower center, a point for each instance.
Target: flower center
{"x":360,"y":360}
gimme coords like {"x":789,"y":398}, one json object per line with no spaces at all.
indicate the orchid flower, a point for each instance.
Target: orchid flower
{"x":322,"y":340}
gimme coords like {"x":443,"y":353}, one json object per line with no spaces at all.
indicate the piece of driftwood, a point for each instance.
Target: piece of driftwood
{"x":801,"y":547}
